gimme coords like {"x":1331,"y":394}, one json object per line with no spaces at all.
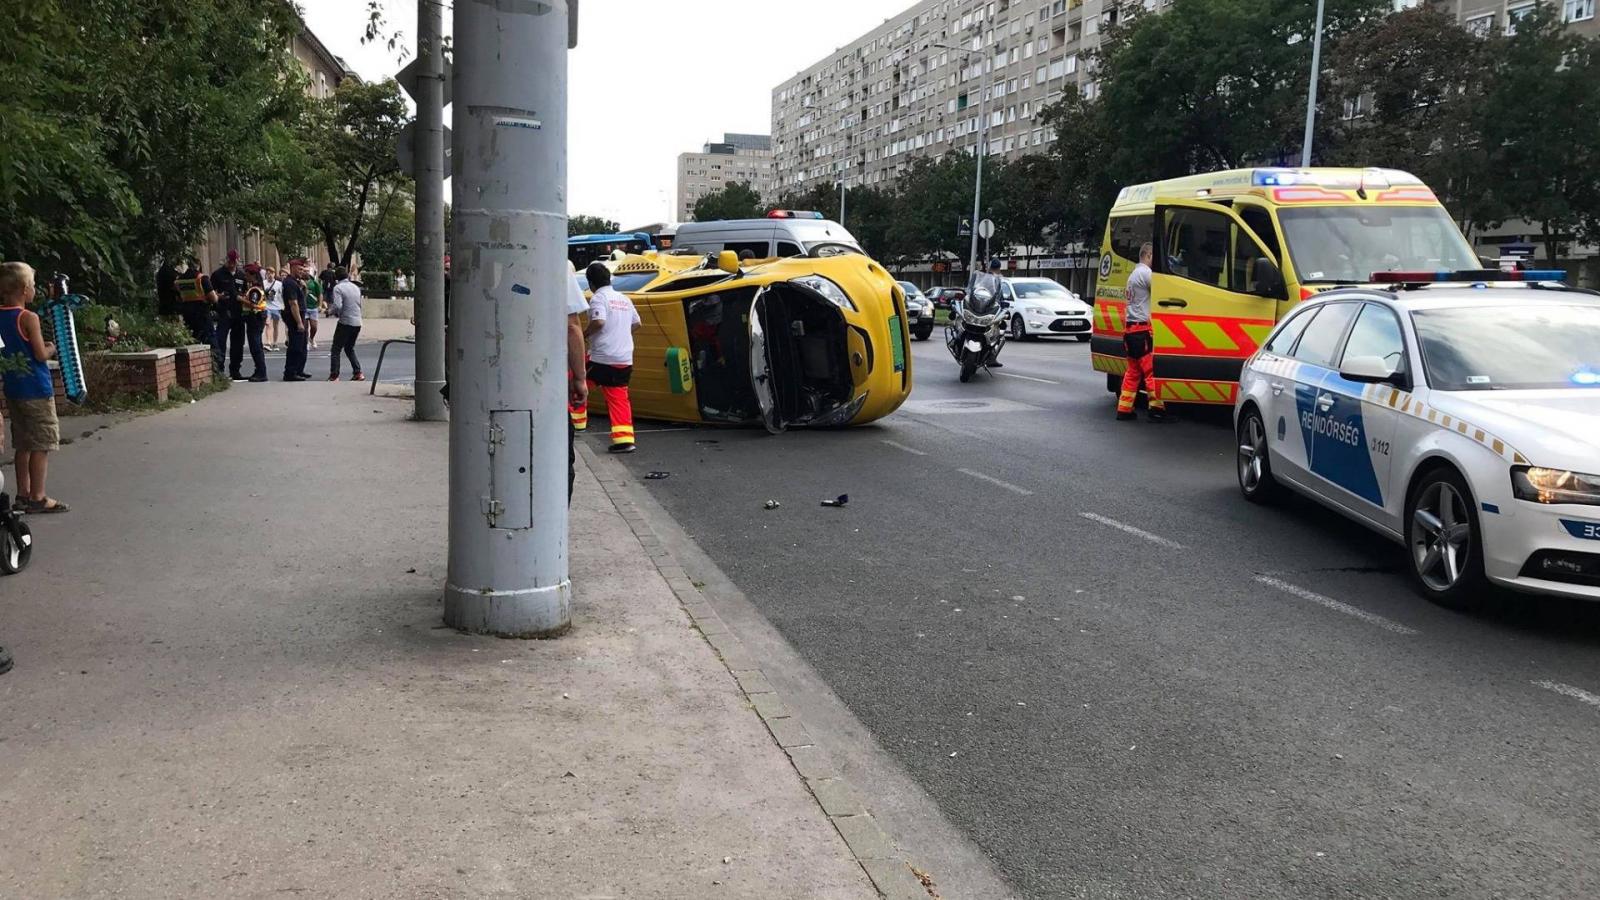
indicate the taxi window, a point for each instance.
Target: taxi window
{"x":1283,"y":341}
{"x":1377,"y":334}
{"x":1320,"y":341}
{"x":1196,"y":243}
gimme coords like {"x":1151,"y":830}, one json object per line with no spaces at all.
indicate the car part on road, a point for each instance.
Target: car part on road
{"x":1443,"y":536}
{"x":656,"y":476}
{"x":840,"y":500}
{"x":771,"y":504}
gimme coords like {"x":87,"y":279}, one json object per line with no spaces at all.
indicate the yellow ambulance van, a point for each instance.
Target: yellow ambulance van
{"x":1235,"y":250}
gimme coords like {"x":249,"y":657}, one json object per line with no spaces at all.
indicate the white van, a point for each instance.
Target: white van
{"x":782,"y":233}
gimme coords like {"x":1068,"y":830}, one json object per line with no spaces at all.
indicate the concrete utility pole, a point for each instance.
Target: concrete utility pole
{"x":429,"y":172}
{"x":1311,"y":98}
{"x":508,"y":378}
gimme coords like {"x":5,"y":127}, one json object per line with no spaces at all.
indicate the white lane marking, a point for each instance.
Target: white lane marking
{"x":1028,"y":378}
{"x":997,"y":482}
{"x":1137,"y":532}
{"x":1335,"y":605}
{"x":899,"y":446}
{"x":1567,"y":690}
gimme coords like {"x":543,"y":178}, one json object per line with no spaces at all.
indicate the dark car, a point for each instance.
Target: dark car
{"x":944,"y":297}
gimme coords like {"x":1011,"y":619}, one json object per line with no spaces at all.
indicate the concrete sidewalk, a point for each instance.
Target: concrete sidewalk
{"x":232,"y":681}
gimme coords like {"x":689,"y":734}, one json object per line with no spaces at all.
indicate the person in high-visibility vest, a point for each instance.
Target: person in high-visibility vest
{"x":194,"y":291}
{"x":1139,"y":342}
{"x":612,"y":322}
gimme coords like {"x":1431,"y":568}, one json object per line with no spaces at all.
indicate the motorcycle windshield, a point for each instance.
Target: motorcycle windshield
{"x":982,"y":306}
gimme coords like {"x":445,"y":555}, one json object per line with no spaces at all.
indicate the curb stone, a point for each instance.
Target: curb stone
{"x":891,"y":874}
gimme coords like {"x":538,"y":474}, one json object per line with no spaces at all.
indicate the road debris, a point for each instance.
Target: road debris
{"x":840,"y":500}
{"x":656,"y":476}
{"x":771,"y":504}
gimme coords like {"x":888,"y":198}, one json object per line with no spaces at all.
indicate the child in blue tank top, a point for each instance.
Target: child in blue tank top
{"x":30,"y":390}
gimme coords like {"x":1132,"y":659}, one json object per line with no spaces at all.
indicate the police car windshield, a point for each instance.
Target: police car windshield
{"x":1510,"y":348}
{"x":1349,"y":243}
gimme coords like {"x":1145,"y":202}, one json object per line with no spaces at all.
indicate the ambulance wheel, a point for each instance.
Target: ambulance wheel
{"x":1444,"y":542}
{"x":1255,"y":467}
{"x":16,"y":547}
{"x":1113,"y":383}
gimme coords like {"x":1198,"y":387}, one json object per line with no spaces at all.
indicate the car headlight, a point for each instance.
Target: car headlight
{"x":1037,"y":310}
{"x":1554,"y":485}
{"x":826,"y":288}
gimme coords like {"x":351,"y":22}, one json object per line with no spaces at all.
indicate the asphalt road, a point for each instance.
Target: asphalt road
{"x":1121,"y":680}
{"x":399,"y":363}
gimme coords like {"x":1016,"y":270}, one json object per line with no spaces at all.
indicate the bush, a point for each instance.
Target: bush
{"x":139,"y":330}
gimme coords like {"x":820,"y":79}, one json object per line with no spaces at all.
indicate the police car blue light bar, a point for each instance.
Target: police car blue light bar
{"x":1469,"y":275}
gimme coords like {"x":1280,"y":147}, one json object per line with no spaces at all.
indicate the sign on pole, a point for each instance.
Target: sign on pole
{"x":963,"y":227}
{"x":986,"y":229}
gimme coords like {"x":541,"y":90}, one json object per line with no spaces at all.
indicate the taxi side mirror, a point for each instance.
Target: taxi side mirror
{"x":728,"y":261}
{"x":1269,"y":280}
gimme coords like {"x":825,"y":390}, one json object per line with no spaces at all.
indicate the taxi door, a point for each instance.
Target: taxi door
{"x":1212,"y":302}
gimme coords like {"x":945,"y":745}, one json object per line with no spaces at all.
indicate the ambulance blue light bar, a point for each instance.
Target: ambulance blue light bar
{"x":1469,"y":275}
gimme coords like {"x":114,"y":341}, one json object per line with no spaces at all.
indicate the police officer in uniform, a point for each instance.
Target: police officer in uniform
{"x":228,"y":286}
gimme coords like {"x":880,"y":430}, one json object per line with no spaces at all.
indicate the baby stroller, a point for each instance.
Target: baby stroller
{"x":16,"y":539}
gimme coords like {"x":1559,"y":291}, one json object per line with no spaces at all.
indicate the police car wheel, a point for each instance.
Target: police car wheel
{"x":1444,"y":542}
{"x":1255,"y":468}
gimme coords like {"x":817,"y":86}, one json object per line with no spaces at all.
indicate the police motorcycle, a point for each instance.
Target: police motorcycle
{"x":976,"y":332}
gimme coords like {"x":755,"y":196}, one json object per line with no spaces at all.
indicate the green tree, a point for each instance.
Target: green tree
{"x":935,"y":197}
{"x":591,"y":225}
{"x":1540,"y":127}
{"x":131,"y":124}
{"x":1412,"y":84}
{"x":735,"y":201}
{"x":1028,"y":203}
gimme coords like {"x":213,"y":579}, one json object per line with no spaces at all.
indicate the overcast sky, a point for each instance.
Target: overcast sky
{"x":651,"y":79}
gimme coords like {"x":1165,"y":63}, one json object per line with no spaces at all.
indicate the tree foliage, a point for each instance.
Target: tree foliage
{"x":131,"y":124}
{"x":735,"y":201}
{"x":591,"y":225}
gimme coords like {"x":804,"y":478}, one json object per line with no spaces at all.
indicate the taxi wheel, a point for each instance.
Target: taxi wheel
{"x":1255,"y":468}
{"x":1445,"y":544}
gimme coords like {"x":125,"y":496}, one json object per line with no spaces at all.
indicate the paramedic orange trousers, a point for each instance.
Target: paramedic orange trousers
{"x":1140,"y":346}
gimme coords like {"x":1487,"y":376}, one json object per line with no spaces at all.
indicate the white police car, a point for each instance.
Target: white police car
{"x":1455,"y":413}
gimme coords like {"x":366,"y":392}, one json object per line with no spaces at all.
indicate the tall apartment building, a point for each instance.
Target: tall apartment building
{"x":1482,"y":15}
{"x":736,"y":158}
{"x":914,"y":86}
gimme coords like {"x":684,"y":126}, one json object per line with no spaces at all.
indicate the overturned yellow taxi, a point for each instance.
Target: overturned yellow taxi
{"x":780,"y":343}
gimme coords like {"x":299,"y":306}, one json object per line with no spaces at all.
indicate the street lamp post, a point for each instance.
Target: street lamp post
{"x":1311,"y":98}
{"x":982,"y":151}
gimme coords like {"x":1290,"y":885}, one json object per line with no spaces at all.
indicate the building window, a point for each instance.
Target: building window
{"x":1480,"y":25}
{"x":1515,"y":14}
{"x":1402,"y":5}
{"x":1355,"y":108}
{"x":1577,"y":11}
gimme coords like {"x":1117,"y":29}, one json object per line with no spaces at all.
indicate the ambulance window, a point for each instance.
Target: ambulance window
{"x":1320,"y":341}
{"x":1260,"y":221}
{"x":1197,"y":243}
{"x":1245,"y":253}
{"x":1128,"y":233}
{"x":1377,"y":334}
{"x":1283,"y":341}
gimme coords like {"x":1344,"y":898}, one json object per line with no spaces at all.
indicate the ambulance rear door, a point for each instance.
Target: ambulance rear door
{"x":1215,"y":296}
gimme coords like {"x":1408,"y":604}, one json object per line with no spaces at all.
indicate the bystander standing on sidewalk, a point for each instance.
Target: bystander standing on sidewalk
{"x":313,"y":286}
{"x":294,"y":323}
{"x":273,"y":285}
{"x":345,"y":304}
{"x":227,"y":284}
{"x":612,"y":322}
{"x":30,"y":391}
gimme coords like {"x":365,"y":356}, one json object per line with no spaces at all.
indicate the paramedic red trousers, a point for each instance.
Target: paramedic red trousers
{"x":1140,"y":346}
{"x":613,"y":384}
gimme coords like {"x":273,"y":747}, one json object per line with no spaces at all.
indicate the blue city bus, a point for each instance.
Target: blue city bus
{"x":583,"y":249}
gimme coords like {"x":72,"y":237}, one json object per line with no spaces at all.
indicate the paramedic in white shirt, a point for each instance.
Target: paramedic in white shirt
{"x":612,"y":322}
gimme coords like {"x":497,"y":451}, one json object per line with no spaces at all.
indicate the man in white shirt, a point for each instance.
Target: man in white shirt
{"x":1139,"y":342}
{"x":612,"y":322}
